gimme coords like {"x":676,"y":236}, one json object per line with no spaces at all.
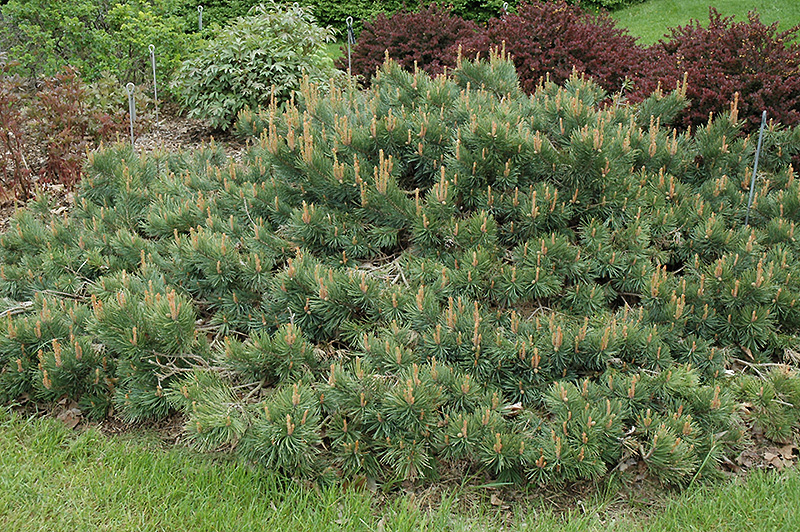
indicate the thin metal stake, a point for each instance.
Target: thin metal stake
{"x":155,"y":89}
{"x":131,"y":107}
{"x":755,"y":168}
{"x":505,"y":8}
{"x":351,"y":39}
{"x":200,"y":18}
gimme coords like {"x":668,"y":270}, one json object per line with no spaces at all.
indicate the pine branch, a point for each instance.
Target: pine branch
{"x":21,"y":308}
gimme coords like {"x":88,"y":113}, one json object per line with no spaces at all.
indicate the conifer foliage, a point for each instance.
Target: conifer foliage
{"x":431,"y":271}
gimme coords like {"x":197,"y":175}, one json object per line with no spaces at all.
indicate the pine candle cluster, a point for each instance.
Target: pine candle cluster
{"x":434,"y":270}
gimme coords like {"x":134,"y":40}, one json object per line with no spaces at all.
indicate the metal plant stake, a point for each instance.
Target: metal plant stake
{"x":155,"y":89}
{"x":505,"y":9}
{"x":200,"y":18}
{"x":131,"y":107}
{"x":755,"y":168}
{"x":351,"y":39}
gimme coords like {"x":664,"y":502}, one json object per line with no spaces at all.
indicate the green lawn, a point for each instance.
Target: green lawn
{"x":650,"y":20}
{"x":55,"y":479}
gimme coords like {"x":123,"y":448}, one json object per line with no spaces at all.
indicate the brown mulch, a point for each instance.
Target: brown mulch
{"x":177,"y":133}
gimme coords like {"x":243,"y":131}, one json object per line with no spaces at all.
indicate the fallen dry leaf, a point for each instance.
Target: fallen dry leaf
{"x":774,"y":460}
{"x":748,"y":458}
{"x":730,"y":466}
{"x":71,"y":418}
{"x":788,"y":451}
{"x":627,"y":464}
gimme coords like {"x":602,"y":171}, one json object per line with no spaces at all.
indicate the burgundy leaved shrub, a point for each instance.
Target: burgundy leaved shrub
{"x":427,"y":37}
{"x":555,"y":37}
{"x":15,"y":175}
{"x":63,"y":124}
{"x":751,"y":58}
{"x":46,"y":131}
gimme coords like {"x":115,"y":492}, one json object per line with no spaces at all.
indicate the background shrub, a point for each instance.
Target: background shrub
{"x":14,"y":171}
{"x":478,"y":10}
{"x":608,"y":4}
{"x":751,"y":58}
{"x":42,"y":36}
{"x":272,"y":47}
{"x":327,"y":12}
{"x":555,"y":37}
{"x":426,"y":37}
{"x":47,"y":132}
{"x":135,"y":27}
{"x":334,"y":13}
{"x":92,"y":36}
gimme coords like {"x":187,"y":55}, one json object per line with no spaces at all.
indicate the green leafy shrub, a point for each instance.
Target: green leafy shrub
{"x":480,"y":11}
{"x":334,"y":13}
{"x":43,"y":37}
{"x":134,"y":27}
{"x":263,"y":55}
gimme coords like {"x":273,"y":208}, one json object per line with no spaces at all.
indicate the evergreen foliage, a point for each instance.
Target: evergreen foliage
{"x":429,"y":271}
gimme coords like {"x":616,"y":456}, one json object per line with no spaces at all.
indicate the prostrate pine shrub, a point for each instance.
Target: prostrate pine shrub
{"x":551,"y":39}
{"x":426,"y":39}
{"x":262,"y":55}
{"x":773,"y":403}
{"x":726,"y":57}
{"x":434,"y":271}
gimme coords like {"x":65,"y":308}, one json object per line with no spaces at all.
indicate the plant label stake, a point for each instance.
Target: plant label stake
{"x":155,"y":89}
{"x":755,"y":168}
{"x":131,"y":107}
{"x":200,"y":18}
{"x":351,"y":39}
